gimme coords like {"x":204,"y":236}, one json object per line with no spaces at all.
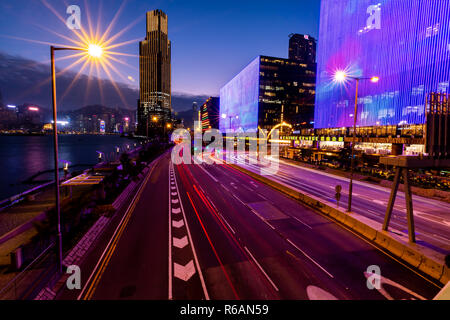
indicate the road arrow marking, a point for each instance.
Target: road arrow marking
{"x":176,"y":210}
{"x":184,"y":272}
{"x":175,"y":201}
{"x":180,"y":243}
{"x":174,"y":194}
{"x":177,"y":224}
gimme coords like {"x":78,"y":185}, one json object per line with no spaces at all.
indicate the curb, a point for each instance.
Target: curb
{"x":424,"y":259}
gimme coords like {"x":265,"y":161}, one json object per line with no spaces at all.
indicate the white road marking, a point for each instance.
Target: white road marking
{"x":302,"y":222}
{"x":384,"y":280}
{"x":170,"y":243}
{"x":180,"y":243}
{"x":261,"y":268}
{"x":202,"y":280}
{"x":209,"y":174}
{"x":311,"y":259}
{"x":178,"y":224}
{"x":176,"y":210}
{"x":184,"y":272}
{"x":316,"y":293}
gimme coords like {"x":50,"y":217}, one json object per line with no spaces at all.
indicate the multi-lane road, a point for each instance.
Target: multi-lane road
{"x":211,"y":232}
{"x":432,"y":217}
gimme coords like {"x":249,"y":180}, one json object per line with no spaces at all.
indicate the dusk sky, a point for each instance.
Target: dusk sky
{"x":211,"y":40}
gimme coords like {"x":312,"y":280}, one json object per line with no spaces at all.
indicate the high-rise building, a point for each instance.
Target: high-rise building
{"x":210,"y":113}
{"x":154,"y":106}
{"x":302,"y":48}
{"x":268,"y":92}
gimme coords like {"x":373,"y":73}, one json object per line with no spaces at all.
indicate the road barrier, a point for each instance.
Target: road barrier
{"x":424,"y":259}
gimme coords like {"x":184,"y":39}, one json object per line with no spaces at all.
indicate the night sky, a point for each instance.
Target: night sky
{"x":211,"y":40}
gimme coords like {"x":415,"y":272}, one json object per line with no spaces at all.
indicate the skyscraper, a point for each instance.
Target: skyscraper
{"x":154,"y":105}
{"x":302,"y":48}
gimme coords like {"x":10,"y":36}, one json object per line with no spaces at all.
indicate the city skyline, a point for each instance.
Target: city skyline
{"x":212,"y":154}
{"x":199,"y":51}
{"x":155,"y":73}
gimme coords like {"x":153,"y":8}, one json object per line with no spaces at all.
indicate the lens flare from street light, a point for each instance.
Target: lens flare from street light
{"x":95,"y":50}
{"x":340,"y":76}
{"x":375,"y":79}
{"x":97,"y":47}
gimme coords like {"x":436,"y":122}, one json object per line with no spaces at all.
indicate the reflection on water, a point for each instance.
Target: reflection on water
{"x":23,"y":156}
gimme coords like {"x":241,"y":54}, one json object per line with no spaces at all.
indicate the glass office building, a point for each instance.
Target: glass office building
{"x":405,"y":43}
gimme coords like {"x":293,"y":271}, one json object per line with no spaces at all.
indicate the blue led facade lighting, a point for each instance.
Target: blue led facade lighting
{"x":239,"y":100}
{"x":406,"y":43}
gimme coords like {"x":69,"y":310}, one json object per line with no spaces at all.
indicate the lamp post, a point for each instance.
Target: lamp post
{"x":341,"y":77}
{"x":94,"y":51}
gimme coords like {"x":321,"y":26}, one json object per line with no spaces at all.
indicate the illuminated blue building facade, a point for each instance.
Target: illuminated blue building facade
{"x":239,"y":100}
{"x":405,"y":43}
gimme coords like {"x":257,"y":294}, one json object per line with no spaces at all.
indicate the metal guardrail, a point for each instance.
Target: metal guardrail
{"x":19,"y":197}
{"x":15,"y":283}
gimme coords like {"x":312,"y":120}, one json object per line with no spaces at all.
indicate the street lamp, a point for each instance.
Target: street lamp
{"x":341,"y":77}
{"x":94,"y":51}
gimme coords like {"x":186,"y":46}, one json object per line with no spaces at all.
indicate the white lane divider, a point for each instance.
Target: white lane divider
{"x":262,"y":270}
{"x":181,"y":272}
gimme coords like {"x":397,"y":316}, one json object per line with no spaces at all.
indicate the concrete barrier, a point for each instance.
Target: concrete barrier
{"x":413,"y":254}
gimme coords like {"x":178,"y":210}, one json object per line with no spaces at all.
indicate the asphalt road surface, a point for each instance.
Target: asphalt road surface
{"x":432,"y":219}
{"x":211,"y":232}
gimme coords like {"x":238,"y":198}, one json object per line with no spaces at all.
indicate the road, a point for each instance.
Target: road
{"x":211,"y":232}
{"x":432,"y":217}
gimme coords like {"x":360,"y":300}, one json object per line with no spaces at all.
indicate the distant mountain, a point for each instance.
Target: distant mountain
{"x":186,"y":116}
{"x":27,"y":81}
{"x":99,"y":109}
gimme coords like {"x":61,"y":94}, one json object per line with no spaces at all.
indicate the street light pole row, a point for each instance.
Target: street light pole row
{"x":94,"y":51}
{"x":341,"y":77}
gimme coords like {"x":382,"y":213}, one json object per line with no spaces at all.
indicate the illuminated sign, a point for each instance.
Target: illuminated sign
{"x":102,"y":126}
{"x":239,"y":100}
{"x":404,"y":43}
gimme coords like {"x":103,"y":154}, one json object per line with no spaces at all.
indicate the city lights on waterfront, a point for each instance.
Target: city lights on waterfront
{"x":207,"y":154}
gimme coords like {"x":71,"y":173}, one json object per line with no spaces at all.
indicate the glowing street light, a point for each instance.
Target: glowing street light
{"x":94,"y":51}
{"x":341,"y":77}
